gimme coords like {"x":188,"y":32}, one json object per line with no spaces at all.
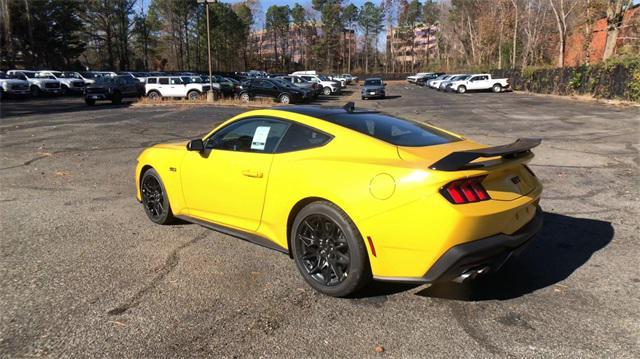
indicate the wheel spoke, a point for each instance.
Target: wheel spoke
{"x":336,"y":269}
{"x":308,"y":241}
{"x":342,"y":258}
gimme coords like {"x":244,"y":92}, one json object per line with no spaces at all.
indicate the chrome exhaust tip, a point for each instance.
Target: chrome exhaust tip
{"x":470,"y":274}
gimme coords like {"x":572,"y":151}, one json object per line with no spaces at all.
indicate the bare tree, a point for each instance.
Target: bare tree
{"x":561,"y":10}
{"x":615,"y":15}
{"x":515,"y":33}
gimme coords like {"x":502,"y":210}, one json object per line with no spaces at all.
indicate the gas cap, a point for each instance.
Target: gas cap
{"x":382,"y":186}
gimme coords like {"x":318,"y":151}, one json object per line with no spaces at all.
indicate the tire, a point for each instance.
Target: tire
{"x":154,"y":95}
{"x":285,"y":99}
{"x":496,"y":88}
{"x":35,"y":91}
{"x":90,"y":101}
{"x":244,"y":97}
{"x":363,"y":98}
{"x":154,"y":198}
{"x":326,"y":91}
{"x":116,"y":99}
{"x":329,"y":251}
{"x":462,"y":89}
{"x":193,"y":95}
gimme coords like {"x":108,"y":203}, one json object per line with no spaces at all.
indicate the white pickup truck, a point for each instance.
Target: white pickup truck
{"x":477,"y":82}
{"x":174,"y":86}
{"x":38,"y":85}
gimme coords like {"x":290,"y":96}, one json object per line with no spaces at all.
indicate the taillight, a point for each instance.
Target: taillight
{"x":468,"y":190}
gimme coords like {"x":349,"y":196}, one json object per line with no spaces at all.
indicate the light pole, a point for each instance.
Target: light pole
{"x":206,"y":5}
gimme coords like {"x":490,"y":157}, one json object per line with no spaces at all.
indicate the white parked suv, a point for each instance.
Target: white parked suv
{"x":38,"y":85}
{"x":414,"y":78}
{"x":68,"y":81}
{"x":328,"y":87}
{"x":173,"y":86}
{"x":479,"y":82}
{"x":13,"y":86}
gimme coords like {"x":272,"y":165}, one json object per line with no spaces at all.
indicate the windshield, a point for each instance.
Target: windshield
{"x":463,"y":77}
{"x":373,"y":83}
{"x":29,"y":74}
{"x":323,"y":77}
{"x":441,"y":77}
{"x":190,"y":80}
{"x":105,"y":80}
{"x":71,"y":75}
{"x":88,"y":75}
{"x":44,"y":76}
{"x":394,"y":130}
{"x":283,"y":83}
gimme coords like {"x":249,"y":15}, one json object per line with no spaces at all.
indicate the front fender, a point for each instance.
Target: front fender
{"x":166,"y":159}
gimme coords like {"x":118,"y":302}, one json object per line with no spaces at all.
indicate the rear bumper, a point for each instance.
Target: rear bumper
{"x":96,"y":96}
{"x":489,"y":253}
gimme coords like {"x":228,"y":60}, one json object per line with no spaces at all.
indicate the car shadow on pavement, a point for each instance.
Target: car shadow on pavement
{"x":563,"y":245}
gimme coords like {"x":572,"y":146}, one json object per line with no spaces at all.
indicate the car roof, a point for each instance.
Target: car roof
{"x":321,"y":112}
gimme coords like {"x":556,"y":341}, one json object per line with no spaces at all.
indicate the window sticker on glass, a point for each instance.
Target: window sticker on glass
{"x":260,"y":138}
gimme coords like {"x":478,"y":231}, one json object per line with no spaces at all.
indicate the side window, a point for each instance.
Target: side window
{"x":152,"y":80}
{"x":299,"y":137}
{"x":176,"y":81}
{"x":259,"y":135}
{"x":164,"y":81}
{"x":474,"y":79}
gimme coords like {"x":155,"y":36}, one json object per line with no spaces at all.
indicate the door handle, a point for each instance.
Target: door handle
{"x":252,"y":173}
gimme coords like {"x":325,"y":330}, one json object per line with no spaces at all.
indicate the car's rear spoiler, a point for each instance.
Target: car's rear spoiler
{"x":458,"y":160}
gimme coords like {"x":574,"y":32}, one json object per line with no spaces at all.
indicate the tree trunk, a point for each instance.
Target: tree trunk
{"x":515,"y":34}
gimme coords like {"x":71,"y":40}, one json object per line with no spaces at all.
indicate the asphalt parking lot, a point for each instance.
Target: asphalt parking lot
{"x":84,"y":273}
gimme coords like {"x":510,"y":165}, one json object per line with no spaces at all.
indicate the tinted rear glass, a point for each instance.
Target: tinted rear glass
{"x":397,"y":131}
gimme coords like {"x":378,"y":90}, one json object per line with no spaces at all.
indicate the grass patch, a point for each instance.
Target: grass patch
{"x":226,"y":102}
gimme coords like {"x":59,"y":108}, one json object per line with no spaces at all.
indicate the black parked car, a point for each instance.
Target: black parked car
{"x":277,"y":89}
{"x":422,"y":81}
{"x":113,"y":89}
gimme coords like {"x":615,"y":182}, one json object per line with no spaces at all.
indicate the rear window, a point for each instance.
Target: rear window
{"x":396,"y":131}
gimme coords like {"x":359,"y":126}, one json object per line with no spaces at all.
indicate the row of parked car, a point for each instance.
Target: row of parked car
{"x":300,"y":86}
{"x":459,"y":83}
{"x":297,"y":87}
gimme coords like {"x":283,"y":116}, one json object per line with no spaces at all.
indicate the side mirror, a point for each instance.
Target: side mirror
{"x":385,"y":85}
{"x":195,"y":145}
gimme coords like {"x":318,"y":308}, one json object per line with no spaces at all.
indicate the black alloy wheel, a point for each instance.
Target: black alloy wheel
{"x":329,"y":251}
{"x":325,"y":251}
{"x":154,"y":198}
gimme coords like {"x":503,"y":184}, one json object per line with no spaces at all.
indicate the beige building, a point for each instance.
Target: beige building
{"x":407,"y":48}
{"x":296,"y":45}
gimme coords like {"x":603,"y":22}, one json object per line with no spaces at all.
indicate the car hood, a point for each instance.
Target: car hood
{"x":44,"y":81}
{"x":14,"y":81}
{"x":180,"y":145}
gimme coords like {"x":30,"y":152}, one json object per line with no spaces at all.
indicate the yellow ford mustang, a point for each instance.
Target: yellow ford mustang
{"x":350,"y":195}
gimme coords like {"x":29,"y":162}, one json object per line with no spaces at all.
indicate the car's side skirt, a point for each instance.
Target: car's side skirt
{"x":249,"y":237}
